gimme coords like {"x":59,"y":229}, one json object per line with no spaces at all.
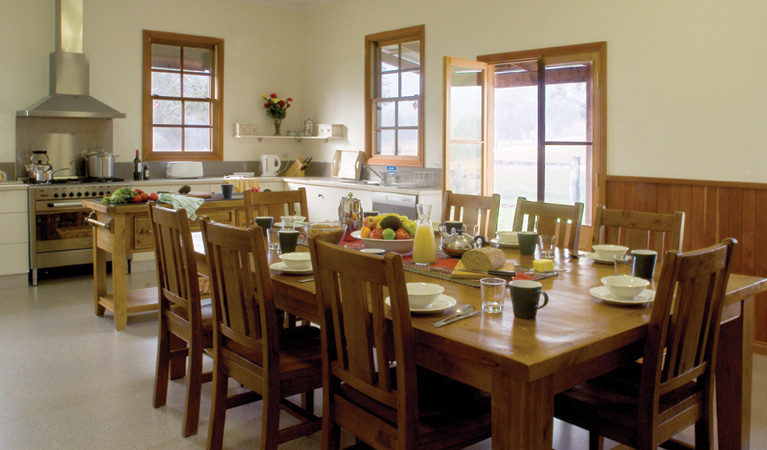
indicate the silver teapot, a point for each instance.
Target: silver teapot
{"x":39,"y":171}
{"x":350,"y":213}
{"x":456,"y":242}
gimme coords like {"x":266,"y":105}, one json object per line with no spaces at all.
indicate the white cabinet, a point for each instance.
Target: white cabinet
{"x":14,"y":231}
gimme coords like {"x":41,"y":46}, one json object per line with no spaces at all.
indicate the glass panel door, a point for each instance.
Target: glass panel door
{"x":465,"y":129}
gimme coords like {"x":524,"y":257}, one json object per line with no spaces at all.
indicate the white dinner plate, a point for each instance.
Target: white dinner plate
{"x":442,"y":303}
{"x":603,"y":293}
{"x":503,"y":244}
{"x":595,"y":256}
{"x":282,"y":267}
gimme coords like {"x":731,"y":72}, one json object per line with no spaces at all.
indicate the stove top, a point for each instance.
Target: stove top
{"x":79,"y":189}
{"x":79,"y":180}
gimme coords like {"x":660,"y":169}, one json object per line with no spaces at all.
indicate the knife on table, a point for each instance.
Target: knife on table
{"x":455,"y":319}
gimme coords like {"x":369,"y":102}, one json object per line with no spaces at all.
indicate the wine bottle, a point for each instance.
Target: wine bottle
{"x":138,"y":169}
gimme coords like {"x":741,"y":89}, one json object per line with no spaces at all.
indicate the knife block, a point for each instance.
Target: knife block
{"x":295,"y":169}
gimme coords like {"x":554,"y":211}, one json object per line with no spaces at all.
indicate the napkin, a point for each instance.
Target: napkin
{"x":190,"y":204}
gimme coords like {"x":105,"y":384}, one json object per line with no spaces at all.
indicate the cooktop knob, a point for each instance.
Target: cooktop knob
{"x":79,"y":194}
{"x":71,"y":194}
{"x":55,"y":195}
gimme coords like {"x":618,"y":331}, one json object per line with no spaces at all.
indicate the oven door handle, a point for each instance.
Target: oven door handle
{"x":66,"y":205}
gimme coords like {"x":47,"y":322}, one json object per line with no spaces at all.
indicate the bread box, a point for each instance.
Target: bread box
{"x":184,"y":169}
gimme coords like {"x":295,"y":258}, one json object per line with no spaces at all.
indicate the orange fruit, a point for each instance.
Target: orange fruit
{"x":365,"y":232}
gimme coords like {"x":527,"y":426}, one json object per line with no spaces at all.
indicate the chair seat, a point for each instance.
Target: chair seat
{"x":300,"y":355}
{"x":609,"y":404}
{"x":442,"y":403}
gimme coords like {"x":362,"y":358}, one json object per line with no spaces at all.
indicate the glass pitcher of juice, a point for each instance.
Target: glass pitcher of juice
{"x":424,"y":250}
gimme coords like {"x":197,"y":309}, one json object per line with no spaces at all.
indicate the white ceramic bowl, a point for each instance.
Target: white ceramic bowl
{"x":507,"y":237}
{"x":422,"y":295}
{"x":625,"y":287}
{"x":401,"y":246}
{"x":374,"y":251}
{"x":608,"y":251}
{"x":297,"y":260}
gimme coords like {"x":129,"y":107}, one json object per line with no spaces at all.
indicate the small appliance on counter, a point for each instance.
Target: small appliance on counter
{"x":184,"y":169}
{"x":270,"y":165}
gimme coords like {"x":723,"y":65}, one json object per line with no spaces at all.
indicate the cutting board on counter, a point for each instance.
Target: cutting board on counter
{"x":461,"y":272}
{"x":199,"y":194}
{"x":347,"y":164}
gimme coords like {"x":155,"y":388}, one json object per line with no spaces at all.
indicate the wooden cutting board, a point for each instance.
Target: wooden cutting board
{"x":199,"y":194}
{"x":460,"y":271}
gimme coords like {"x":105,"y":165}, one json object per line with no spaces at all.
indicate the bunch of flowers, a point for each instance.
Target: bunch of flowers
{"x":276,"y":108}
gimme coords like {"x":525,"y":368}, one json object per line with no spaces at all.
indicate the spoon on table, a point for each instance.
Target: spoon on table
{"x":465,"y":309}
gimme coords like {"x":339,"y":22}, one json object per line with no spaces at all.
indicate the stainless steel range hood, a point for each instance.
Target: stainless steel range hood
{"x":70,"y":72}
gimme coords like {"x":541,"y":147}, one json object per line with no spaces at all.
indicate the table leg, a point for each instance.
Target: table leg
{"x":119,"y":273}
{"x":733,"y":379}
{"x":522,"y":413}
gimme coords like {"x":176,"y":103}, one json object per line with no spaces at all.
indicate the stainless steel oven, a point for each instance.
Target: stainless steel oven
{"x":58,"y":233}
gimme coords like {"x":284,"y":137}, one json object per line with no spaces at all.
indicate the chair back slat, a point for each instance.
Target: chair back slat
{"x":360,"y":347}
{"x":639,"y":230}
{"x":684,"y":326}
{"x":174,"y":257}
{"x":275,"y":204}
{"x":243,"y":302}
{"x":474,"y":211}
{"x":562,"y":221}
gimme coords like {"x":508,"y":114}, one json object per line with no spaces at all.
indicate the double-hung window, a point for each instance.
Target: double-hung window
{"x":528,"y":124}
{"x":394,"y":97}
{"x":182,"y":97}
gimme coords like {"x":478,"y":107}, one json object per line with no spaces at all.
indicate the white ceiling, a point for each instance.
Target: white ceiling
{"x":289,"y":4}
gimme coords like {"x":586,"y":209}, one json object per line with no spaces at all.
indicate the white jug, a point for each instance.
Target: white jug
{"x":270,"y":165}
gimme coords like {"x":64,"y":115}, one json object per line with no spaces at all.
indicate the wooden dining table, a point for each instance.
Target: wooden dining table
{"x":523,"y":363}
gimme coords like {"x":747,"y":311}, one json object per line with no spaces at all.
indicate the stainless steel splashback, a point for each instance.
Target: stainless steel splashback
{"x":65,"y":140}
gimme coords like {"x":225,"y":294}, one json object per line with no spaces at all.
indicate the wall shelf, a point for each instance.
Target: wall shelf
{"x":250,"y":131}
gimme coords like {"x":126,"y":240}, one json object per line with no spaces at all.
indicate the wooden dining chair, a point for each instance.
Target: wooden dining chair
{"x":249,"y":344}
{"x":644,"y":404}
{"x":638,"y":230}
{"x":275,"y":204}
{"x":562,"y":221}
{"x":185,"y":325}
{"x":371,"y":384}
{"x":473,"y":210}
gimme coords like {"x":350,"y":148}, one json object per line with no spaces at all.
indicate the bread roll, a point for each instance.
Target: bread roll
{"x":484,"y":258}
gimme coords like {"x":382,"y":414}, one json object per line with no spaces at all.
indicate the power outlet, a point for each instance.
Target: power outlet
{"x":245,"y":129}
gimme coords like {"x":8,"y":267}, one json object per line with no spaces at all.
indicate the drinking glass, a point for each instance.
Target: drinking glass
{"x":547,"y":245}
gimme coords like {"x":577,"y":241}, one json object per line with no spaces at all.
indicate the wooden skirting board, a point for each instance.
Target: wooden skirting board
{"x":713,"y":211}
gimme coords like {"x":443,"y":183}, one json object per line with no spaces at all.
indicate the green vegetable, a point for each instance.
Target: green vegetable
{"x":122,"y":195}
{"x":389,"y":234}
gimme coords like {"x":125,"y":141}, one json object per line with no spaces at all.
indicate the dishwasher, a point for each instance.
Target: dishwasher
{"x":392,"y":202}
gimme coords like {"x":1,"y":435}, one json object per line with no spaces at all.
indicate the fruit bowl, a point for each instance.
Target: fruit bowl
{"x":401,"y":246}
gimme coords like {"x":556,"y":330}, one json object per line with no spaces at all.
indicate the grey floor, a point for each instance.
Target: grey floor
{"x":68,"y":380}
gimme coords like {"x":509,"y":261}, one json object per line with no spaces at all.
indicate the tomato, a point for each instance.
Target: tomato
{"x":154,"y":196}
{"x":138,"y":191}
{"x":377,"y":233}
{"x":365,"y":232}
{"x":137,"y":199}
{"x":402,"y":233}
{"x":144,"y":196}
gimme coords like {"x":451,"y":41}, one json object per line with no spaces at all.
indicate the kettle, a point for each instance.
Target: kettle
{"x":270,"y":165}
{"x":350,"y":213}
{"x":457,"y":243}
{"x":39,"y":171}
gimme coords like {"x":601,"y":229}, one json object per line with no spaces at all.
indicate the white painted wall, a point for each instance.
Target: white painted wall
{"x":686,"y":90}
{"x":261,"y":55}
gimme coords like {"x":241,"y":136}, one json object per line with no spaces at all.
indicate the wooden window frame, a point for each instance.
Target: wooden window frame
{"x":216,"y":45}
{"x":372,"y":43}
{"x":598,"y":105}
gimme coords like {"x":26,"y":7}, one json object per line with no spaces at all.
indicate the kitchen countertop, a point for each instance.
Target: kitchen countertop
{"x":356,"y":184}
{"x":13,"y":186}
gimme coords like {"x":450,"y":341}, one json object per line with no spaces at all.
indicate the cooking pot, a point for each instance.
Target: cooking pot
{"x":100,"y":164}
